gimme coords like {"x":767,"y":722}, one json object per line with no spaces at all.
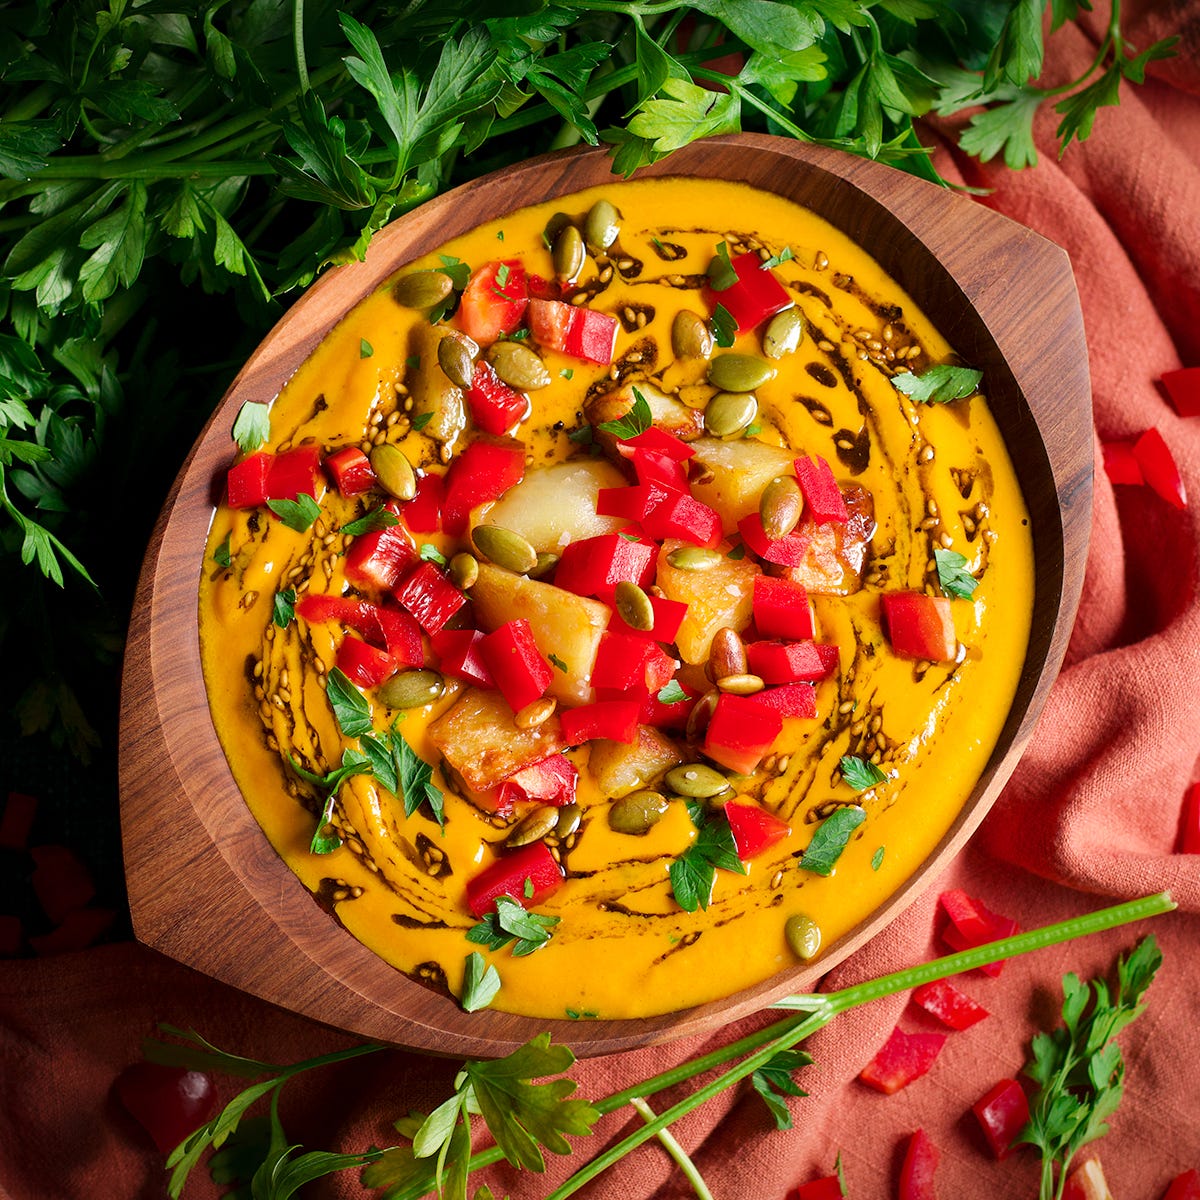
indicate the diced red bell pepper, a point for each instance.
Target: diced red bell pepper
{"x":459,"y":655}
{"x":551,"y":781}
{"x":903,"y":1058}
{"x":61,"y":881}
{"x":652,"y":467}
{"x":754,"y":829}
{"x":1119,"y":464}
{"x":507,"y":877}
{"x":17,"y":821}
{"x":378,"y":559}
{"x":381,"y":625}
{"x":430,"y":597}
{"x":823,"y":498}
{"x":789,"y":700}
{"x":350,"y":470}
{"x":787,"y":551}
{"x":756,"y":295}
{"x":170,"y":1103}
{"x":628,"y":663}
{"x":364,"y":665}
{"x":984,"y":926}
{"x":1183,"y":386}
{"x":246,"y":483}
{"x":516,"y":664}
{"x":828,"y":1187}
{"x":1087,"y":1182}
{"x":1189,"y":834}
{"x":1002,"y":1113}
{"x":401,"y":636}
{"x":423,"y":513}
{"x":952,"y":1007}
{"x":575,"y":330}
{"x":1187,"y":1185}
{"x":544,"y":289}
{"x":791,"y":662}
{"x":632,"y":502}
{"x":495,"y":407}
{"x":656,"y":441}
{"x":594,"y":566}
{"x":672,"y":715}
{"x":782,"y":609}
{"x":549,"y":319}
{"x":79,"y":929}
{"x":920,"y":626}
{"x":968,"y":915}
{"x":920,"y":1165}
{"x":484,"y":471}
{"x":11,"y":935}
{"x":668,"y":616}
{"x":294,"y":472}
{"x":1159,"y":469}
{"x":740,"y":732}
{"x":616,"y":720}
{"x":494,"y":301}
{"x":680,"y":515}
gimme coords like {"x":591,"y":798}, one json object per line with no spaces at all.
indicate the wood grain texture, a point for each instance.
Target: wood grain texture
{"x":205,"y":886}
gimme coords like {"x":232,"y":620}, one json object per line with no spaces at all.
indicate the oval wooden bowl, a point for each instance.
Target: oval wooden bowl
{"x":205,"y":886}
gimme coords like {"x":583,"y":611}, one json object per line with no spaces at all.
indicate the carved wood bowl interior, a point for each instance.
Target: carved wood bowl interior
{"x":206,"y":887}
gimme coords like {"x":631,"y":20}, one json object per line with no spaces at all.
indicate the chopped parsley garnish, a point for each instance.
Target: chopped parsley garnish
{"x":738,"y":552}
{"x":350,"y":706}
{"x":694,"y":872}
{"x":721,"y":274}
{"x":752,"y":430}
{"x":298,"y":514}
{"x":481,"y":982}
{"x":955,"y":579}
{"x":557,"y":662}
{"x":459,"y":272}
{"x":568,"y":373}
{"x":724,"y":327}
{"x":528,"y":931}
{"x":773,"y":1081}
{"x":939,"y":385}
{"x":413,"y":362}
{"x":252,"y":426}
{"x":861,"y":774}
{"x":502,"y":274}
{"x":377,"y":518}
{"x":430,"y":553}
{"x":365,"y":349}
{"x":221,"y":554}
{"x":877,"y":859}
{"x":785,"y":255}
{"x":581,"y":436}
{"x":284,"y":607}
{"x":831,"y":838}
{"x":637,"y":420}
{"x":421,"y":420}
{"x":672,"y":693}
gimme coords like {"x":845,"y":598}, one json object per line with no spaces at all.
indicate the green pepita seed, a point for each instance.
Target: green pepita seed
{"x":456,"y":356}
{"x":557,"y":223}
{"x":633,"y":606}
{"x":505,"y":548}
{"x":739,"y":372}
{"x":569,"y":817}
{"x":518,"y":366}
{"x":690,"y":335}
{"x":601,"y":225}
{"x":697,"y":781}
{"x":568,"y":254}
{"x":780,"y":507}
{"x":546,"y":562}
{"x":534,"y":827}
{"x":741,"y":685}
{"x":693,"y":558}
{"x":463,"y":570}
{"x":803,"y":935}
{"x":728,"y":414}
{"x":784,"y":333}
{"x":394,"y":471}
{"x":637,"y":813}
{"x":412,"y":689}
{"x":422,"y":289}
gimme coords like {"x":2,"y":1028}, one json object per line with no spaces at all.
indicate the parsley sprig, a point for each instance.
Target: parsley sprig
{"x":694,"y":872}
{"x":510,"y":922}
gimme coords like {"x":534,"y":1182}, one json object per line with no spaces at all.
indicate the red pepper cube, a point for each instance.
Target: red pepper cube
{"x":680,"y":515}
{"x":430,"y":597}
{"x":789,"y":700}
{"x":791,"y":662}
{"x":170,"y":1103}
{"x":459,"y":655}
{"x":294,"y":473}
{"x":823,"y":498}
{"x":1185,"y":1186}
{"x":829,"y":1187}
{"x":756,"y":295}
{"x":657,"y":442}
{"x":592,"y":336}
{"x":967,"y":914}
{"x":943,"y":1000}
{"x":494,"y":301}
{"x":1158,"y":466}
{"x":594,"y":566}
{"x":1189,"y":837}
{"x":920,"y":626}
{"x":495,"y":407}
{"x":628,"y":663}
{"x":549,"y":319}
{"x":378,"y":559}
{"x":350,"y":470}
{"x":401,"y":636}
{"x":754,"y":829}
{"x":919,"y":1167}
{"x":516,"y":664}
{"x":507,"y":876}
{"x":17,"y":821}
{"x":740,"y":733}
{"x":551,"y":781}
{"x":1002,"y":1114}
{"x":246,"y":483}
{"x":631,"y":502}
{"x":80,"y":928}
{"x":484,"y":471}
{"x":786,"y":551}
{"x":668,"y":616}
{"x":616,"y":720}
{"x":423,"y":513}
{"x":366,"y":666}
{"x":61,"y":881}
{"x":983,"y":927}
{"x":652,"y":467}
{"x":1183,"y":387}
{"x":1119,"y":464}
{"x":782,"y":609}
{"x":671,"y":715}
{"x":903,"y":1058}
{"x":1087,"y":1182}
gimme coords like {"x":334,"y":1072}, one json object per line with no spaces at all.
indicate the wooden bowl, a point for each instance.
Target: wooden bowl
{"x":206,"y":887}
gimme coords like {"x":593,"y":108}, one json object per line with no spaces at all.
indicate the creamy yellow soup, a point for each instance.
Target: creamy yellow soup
{"x":936,"y":475}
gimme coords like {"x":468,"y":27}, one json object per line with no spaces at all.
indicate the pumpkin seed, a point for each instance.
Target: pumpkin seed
{"x":728,"y":414}
{"x":601,"y":225}
{"x":422,"y":289}
{"x":739,"y":372}
{"x":784,"y":333}
{"x":518,"y":366}
{"x":546,"y":562}
{"x":505,"y":548}
{"x":533,"y":827}
{"x":568,"y":254}
{"x":633,"y":606}
{"x":780,"y":507}
{"x":637,"y":813}
{"x":741,"y":685}
{"x":557,"y":223}
{"x":456,"y":356}
{"x":726,"y":654}
{"x":690,"y":335}
{"x":535,"y":713}
{"x":693,"y":558}
{"x":700,"y":715}
{"x":463,"y":570}
{"x":569,"y":817}
{"x":803,"y":935}
{"x":412,"y":689}
{"x":697,"y":781}
{"x":394,"y":471}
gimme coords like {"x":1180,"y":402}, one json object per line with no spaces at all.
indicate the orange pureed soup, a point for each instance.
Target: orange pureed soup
{"x":697,"y":778}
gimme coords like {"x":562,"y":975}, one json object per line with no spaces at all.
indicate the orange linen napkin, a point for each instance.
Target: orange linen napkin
{"x":1092,"y":814}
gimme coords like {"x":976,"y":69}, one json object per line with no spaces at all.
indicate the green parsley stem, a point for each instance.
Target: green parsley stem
{"x":298,"y":39}
{"x":676,"y":1151}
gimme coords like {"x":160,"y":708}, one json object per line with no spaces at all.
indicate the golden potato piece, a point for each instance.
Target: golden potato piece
{"x":739,"y":471}
{"x":721,"y":595}
{"x":619,"y":769}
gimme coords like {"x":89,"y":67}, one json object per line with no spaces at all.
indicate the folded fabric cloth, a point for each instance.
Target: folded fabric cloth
{"x":1092,"y":813}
